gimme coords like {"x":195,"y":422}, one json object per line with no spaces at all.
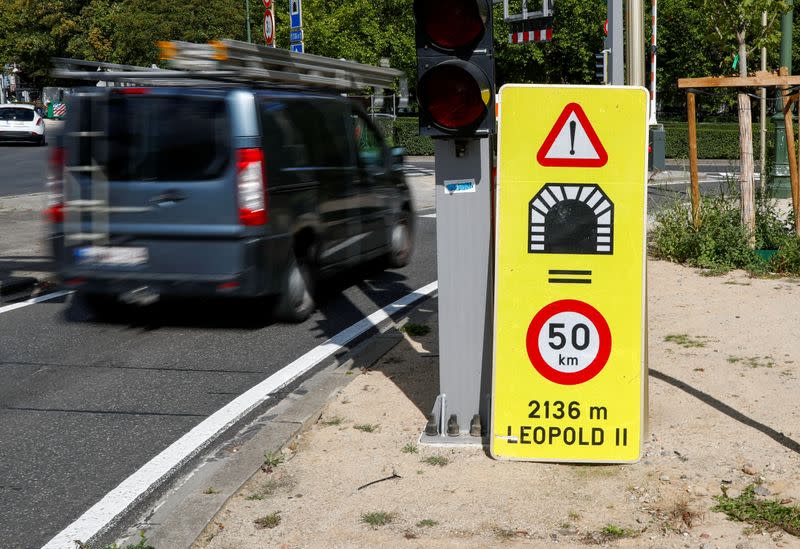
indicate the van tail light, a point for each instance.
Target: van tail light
{"x":55,"y":186}
{"x":251,"y":186}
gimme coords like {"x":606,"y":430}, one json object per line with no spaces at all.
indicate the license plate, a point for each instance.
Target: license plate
{"x":111,"y":255}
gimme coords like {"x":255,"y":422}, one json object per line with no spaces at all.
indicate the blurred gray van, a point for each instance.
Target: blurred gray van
{"x":221,"y":192}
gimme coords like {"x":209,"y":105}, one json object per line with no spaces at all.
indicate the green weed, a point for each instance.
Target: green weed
{"x":332,"y":421}
{"x":427,"y":523}
{"x":273,"y":459}
{"x":410,"y":448}
{"x":752,"y":361}
{"x":377,"y":518}
{"x":611,"y":531}
{"x":441,"y":461}
{"x":685,"y":340}
{"x":366,"y":427}
{"x":268,"y":521}
{"x":210,"y":490}
{"x":720,"y":244}
{"x":761,"y":513}
{"x":787,"y":259}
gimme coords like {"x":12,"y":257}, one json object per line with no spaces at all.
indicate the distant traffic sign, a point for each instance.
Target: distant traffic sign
{"x":297,"y":47}
{"x":569,"y":379}
{"x":296,"y":35}
{"x":269,"y":27}
{"x":267,"y":4}
{"x":295,"y":14}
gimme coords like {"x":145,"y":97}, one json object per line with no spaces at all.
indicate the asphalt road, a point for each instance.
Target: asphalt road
{"x":22,"y":168}
{"x":84,"y":403}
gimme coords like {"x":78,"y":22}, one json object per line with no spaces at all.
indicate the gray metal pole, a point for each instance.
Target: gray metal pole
{"x":465,"y":266}
{"x":635,"y":42}
{"x":615,"y":40}
{"x":247,"y":16}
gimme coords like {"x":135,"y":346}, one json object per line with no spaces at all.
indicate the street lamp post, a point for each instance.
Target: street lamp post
{"x":780,"y":186}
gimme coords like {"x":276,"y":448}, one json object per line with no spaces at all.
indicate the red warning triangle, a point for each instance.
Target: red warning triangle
{"x":572,"y":143}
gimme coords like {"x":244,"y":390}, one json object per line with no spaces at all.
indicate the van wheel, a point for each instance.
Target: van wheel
{"x":401,"y":242}
{"x":98,"y":305}
{"x":296,"y":302}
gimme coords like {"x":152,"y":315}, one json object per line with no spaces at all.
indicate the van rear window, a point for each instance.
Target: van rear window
{"x":164,"y":138}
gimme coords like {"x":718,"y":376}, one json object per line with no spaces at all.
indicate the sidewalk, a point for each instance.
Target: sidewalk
{"x":718,"y":417}
{"x":24,"y":260}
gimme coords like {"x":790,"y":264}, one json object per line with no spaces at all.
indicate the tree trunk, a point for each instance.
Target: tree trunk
{"x":746,"y":168}
{"x":747,"y":186}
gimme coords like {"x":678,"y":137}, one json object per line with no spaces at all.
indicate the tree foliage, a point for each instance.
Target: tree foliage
{"x":738,"y":23}
{"x":696,"y":37}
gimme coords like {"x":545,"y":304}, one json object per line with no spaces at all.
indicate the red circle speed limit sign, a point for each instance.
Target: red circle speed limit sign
{"x":269,"y":27}
{"x":568,"y":342}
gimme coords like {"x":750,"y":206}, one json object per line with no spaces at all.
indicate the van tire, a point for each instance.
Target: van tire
{"x":401,"y":241}
{"x":296,"y":301}
{"x":98,"y":305}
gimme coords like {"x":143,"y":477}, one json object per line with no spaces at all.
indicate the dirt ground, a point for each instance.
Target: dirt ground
{"x":724,"y":383}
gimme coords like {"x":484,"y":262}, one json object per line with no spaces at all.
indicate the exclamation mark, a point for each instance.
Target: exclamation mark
{"x":572,"y":127}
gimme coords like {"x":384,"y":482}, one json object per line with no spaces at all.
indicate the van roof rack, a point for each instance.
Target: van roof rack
{"x":235,"y":62}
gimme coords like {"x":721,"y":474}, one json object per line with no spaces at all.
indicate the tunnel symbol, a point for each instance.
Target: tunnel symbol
{"x":570,"y":218}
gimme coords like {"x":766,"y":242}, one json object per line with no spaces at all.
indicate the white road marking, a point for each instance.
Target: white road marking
{"x":142,"y":481}
{"x":428,"y":215}
{"x":33,"y":301}
{"x":345,"y":243}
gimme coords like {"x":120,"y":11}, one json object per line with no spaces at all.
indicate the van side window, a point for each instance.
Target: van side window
{"x":369,"y":143}
{"x":310,"y":133}
{"x":282,"y":135}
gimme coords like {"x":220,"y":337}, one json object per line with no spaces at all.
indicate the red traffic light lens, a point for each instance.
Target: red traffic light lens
{"x":452,"y":24}
{"x":455,"y":95}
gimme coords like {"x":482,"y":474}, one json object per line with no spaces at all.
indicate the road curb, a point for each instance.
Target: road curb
{"x":181,"y":514}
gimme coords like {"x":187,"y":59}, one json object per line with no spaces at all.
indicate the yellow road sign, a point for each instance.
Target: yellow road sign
{"x":569,"y":380}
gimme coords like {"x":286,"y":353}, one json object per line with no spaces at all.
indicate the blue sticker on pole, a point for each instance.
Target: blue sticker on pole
{"x":297,"y":47}
{"x":296,"y":35}
{"x":295,"y":14}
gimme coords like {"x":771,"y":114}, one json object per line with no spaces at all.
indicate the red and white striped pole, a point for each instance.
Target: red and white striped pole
{"x":653,"y":121}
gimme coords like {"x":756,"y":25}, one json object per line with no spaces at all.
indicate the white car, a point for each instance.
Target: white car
{"x":19,"y":122}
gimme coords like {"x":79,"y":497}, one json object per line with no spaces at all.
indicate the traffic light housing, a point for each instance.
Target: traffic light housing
{"x":601,"y":66}
{"x":455,"y":68}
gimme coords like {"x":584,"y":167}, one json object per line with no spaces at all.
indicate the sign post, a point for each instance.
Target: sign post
{"x":569,"y":379}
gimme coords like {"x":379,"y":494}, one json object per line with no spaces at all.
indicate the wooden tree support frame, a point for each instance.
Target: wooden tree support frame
{"x":761,"y":79}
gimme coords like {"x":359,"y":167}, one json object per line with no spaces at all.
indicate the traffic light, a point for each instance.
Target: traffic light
{"x":455,"y":68}
{"x":601,"y":66}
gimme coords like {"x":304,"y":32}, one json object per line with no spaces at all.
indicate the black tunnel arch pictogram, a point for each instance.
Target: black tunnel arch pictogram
{"x":571,"y":218}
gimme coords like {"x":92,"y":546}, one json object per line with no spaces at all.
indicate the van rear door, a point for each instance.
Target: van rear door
{"x":171,"y":175}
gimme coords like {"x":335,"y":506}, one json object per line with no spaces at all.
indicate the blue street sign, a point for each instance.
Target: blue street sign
{"x":295,"y":14}
{"x":297,"y":47}
{"x":296,"y":35}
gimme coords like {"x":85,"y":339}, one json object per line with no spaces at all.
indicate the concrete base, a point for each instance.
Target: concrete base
{"x":464,"y":439}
